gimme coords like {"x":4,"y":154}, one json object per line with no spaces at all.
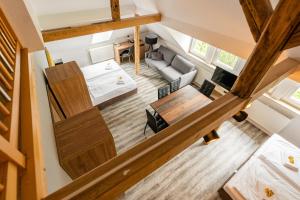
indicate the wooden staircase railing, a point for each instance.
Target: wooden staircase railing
{"x":10,"y":156}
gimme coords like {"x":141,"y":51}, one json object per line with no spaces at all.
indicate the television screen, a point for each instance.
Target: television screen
{"x":223,"y":78}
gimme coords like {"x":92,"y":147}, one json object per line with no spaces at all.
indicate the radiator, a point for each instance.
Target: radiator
{"x":100,"y":54}
{"x":266,"y":118}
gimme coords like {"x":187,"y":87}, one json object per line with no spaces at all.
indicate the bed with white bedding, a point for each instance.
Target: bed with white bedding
{"x":107,"y":82}
{"x":266,"y":171}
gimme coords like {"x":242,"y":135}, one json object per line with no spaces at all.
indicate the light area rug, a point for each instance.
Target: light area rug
{"x":195,"y":174}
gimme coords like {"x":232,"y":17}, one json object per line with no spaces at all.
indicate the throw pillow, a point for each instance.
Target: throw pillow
{"x":156,"y":56}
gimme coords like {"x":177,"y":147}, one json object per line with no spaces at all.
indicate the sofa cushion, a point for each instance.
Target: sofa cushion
{"x":158,"y":64}
{"x":183,"y":65}
{"x":168,"y":54}
{"x":156,"y":55}
{"x":170,"y":74}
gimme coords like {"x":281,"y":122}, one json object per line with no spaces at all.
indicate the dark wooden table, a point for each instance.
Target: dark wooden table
{"x":180,"y":104}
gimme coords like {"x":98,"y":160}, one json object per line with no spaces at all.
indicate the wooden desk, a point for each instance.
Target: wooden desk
{"x":180,"y":104}
{"x":83,"y":142}
{"x":118,"y":49}
{"x":69,"y":88}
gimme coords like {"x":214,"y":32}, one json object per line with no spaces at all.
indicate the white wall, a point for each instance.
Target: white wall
{"x":23,"y":21}
{"x":48,"y":7}
{"x":77,"y":48}
{"x":93,"y":15}
{"x":291,"y":132}
{"x":56,"y":177}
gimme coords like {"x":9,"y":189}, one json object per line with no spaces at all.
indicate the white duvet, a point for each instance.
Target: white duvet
{"x":265,"y":170}
{"x":103,"y":81}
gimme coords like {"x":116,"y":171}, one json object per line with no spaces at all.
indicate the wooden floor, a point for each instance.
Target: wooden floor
{"x":199,"y":171}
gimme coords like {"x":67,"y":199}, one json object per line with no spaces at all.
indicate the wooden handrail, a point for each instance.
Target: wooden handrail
{"x":32,"y":183}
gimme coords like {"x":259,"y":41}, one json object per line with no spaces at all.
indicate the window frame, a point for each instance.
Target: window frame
{"x":236,"y":69}
{"x":289,"y":100}
{"x":208,"y":54}
{"x":211,"y":58}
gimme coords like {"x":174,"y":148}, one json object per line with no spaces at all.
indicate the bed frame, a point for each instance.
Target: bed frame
{"x":116,"y":99}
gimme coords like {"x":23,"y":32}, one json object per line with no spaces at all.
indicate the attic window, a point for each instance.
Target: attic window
{"x":217,"y":57}
{"x":199,"y":48}
{"x":294,"y":99}
{"x":101,"y":37}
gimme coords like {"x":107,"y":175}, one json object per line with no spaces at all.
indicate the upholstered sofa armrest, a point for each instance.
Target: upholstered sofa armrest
{"x":187,"y":78}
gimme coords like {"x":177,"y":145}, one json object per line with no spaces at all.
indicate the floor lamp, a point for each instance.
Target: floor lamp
{"x":151,"y":39}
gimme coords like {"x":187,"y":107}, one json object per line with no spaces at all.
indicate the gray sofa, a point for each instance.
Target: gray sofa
{"x":172,"y":66}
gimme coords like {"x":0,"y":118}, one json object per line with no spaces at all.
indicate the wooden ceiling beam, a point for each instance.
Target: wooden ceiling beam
{"x":269,"y":47}
{"x":294,"y":41}
{"x":257,"y":13}
{"x":69,"y":32}
{"x":115,"y":10}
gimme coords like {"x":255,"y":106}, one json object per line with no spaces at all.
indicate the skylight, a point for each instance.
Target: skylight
{"x":101,"y":37}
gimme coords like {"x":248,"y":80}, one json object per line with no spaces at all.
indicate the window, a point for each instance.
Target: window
{"x":101,"y":37}
{"x":226,"y":58}
{"x":199,"y":48}
{"x":287,"y":91}
{"x":217,"y":57}
{"x":294,"y":99}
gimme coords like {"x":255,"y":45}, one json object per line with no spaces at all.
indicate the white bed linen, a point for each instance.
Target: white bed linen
{"x":273,"y":158}
{"x":99,"y":69}
{"x":256,"y":174}
{"x":103,"y":84}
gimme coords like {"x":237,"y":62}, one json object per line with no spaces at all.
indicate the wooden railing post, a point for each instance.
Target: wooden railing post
{"x":32,"y":183}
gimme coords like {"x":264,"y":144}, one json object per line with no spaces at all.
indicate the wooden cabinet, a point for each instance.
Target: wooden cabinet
{"x":67,"y":83}
{"x":83,"y":142}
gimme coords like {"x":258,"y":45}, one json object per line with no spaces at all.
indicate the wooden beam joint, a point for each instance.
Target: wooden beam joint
{"x":280,"y":27}
{"x":115,"y":10}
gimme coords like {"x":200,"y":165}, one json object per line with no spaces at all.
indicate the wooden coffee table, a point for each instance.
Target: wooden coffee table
{"x":180,"y":104}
